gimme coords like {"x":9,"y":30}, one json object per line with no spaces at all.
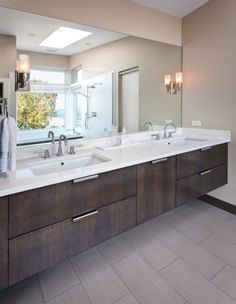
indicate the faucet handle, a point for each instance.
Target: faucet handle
{"x":46,"y":154}
{"x":156,"y":136}
{"x":170,"y":134}
{"x":72,"y":150}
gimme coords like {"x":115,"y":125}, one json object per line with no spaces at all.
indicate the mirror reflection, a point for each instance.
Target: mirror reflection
{"x":84,"y":82}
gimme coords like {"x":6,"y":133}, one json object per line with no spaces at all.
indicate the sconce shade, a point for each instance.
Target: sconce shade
{"x":167,"y":79}
{"x":23,"y":64}
{"x":22,"y":74}
{"x":175,"y":86}
{"x":179,"y":78}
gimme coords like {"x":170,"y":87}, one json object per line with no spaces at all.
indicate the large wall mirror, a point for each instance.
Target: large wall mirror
{"x":85,"y":82}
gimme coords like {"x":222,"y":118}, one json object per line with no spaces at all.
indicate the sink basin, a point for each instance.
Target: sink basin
{"x":180,"y":141}
{"x":67,"y":164}
{"x":118,"y":146}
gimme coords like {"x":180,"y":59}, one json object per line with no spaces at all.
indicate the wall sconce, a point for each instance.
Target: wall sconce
{"x":22,"y":73}
{"x":175,"y":86}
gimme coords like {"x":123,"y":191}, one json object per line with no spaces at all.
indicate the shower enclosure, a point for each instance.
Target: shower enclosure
{"x":95,"y":105}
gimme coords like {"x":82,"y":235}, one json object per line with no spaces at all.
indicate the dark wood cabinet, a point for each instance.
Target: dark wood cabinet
{"x":3,"y":242}
{"x":200,"y":172}
{"x":155,"y":188}
{"x":38,"y":250}
{"x":197,"y":161}
{"x":41,"y":207}
{"x":40,"y":228}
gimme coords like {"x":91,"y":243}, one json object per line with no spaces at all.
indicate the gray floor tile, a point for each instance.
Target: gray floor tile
{"x":193,"y":286}
{"x":98,"y":278}
{"x":207,"y":212}
{"x":193,"y":254}
{"x":217,"y":221}
{"x":114,"y":251}
{"x":57,"y":279}
{"x":157,"y":227}
{"x":144,"y":283}
{"x":226,"y":280}
{"x":75,"y":295}
{"x":138,"y":237}
{"x":227,"y":232}
{"x":157,"y":255}
{"x":233,"y":222}
{"x":221,"y":248}
{"x":183,"y":223}
{"x":129,"y":299}
{"x":26,"y":292}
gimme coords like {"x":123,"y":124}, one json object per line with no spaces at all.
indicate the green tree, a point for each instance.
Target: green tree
{"x":34,"y":110}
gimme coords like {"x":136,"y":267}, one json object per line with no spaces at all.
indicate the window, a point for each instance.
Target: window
{"x":44,"y":108}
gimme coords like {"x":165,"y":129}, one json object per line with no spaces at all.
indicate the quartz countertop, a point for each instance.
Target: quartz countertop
{"x":147,"y":150}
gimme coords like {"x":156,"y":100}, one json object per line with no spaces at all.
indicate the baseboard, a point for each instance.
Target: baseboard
{"x":219,"y":203}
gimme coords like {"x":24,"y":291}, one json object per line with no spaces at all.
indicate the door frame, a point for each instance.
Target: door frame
{"x":120,"y":74}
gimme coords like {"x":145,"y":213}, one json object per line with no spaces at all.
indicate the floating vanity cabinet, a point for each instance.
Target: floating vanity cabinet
{"x":38,"y":250}
{"x":35,"y":209}
{"x":42,"y":227}
{"x":3,"y":242}
{"x":155,"y":188}
{"x":200,"y":172}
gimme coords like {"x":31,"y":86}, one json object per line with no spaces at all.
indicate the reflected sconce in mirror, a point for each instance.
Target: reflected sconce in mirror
{"x":22,"y":73}
{"x":174,"y":86}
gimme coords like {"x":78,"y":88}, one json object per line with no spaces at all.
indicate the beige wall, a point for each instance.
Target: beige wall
{"x":7,"y":55}
{"x":154,"y":59}
{"x":115,"y":15}
{"x":209,"y":65}
{"x":47,"y":61}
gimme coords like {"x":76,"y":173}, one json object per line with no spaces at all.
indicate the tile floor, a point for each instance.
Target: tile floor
{"x":187,"y":256}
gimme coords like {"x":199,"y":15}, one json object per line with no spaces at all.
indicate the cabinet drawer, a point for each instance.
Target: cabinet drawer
{"x":200,"y":184}
{"x":3,"y":242}
{"x":38,"y":250}
{"x":197,"y":161}
{"x":41,"y":207}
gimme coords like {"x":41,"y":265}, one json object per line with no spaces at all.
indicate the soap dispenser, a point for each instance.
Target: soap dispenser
{"x":124,"y":137}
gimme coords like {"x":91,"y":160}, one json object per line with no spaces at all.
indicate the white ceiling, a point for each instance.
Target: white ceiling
{"x":30,"y":30}
{"x":178,"y":8}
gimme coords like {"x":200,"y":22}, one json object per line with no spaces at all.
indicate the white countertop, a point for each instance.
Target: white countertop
{"x":23,"y":179}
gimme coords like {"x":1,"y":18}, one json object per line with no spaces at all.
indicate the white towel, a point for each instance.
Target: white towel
{"x":4,"y":144}
{"x":12,"y":129}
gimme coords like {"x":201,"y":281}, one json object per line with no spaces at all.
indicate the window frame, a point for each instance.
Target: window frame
{"x":67,"y":114}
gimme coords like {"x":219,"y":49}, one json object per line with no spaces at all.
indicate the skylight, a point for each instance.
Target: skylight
{"x":63,"y":37}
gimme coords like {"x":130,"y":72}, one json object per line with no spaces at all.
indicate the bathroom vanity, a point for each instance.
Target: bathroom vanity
{"x":46,"y":224}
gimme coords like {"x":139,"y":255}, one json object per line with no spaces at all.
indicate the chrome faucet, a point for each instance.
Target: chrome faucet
{"x":51,"y":134}
{"x":61,"y":138}
{"x":170,"y":133}
{"x":147,"y":123}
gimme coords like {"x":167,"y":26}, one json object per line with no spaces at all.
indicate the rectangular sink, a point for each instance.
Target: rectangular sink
{"x":180,"y":141}
{"x":68,"y":164}
{"x":118,"y":146}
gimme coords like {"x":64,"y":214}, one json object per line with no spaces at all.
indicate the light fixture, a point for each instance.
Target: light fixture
{"x":175,"y":86}
{"x":179,"y":80}
{"x":63,"y":37}
{"x":22,"y":73}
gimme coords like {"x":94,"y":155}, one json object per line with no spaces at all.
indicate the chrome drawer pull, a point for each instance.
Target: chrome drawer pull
{"x":161,"y":160}
{"x":205,"y":172}
{"x":84,"y":179}
{"x":206,"y":149}
{"x":82,"y":217}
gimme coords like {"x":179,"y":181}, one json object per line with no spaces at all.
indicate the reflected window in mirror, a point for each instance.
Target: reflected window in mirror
{"x":80,"y":109}
{"x":44,"y":108}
